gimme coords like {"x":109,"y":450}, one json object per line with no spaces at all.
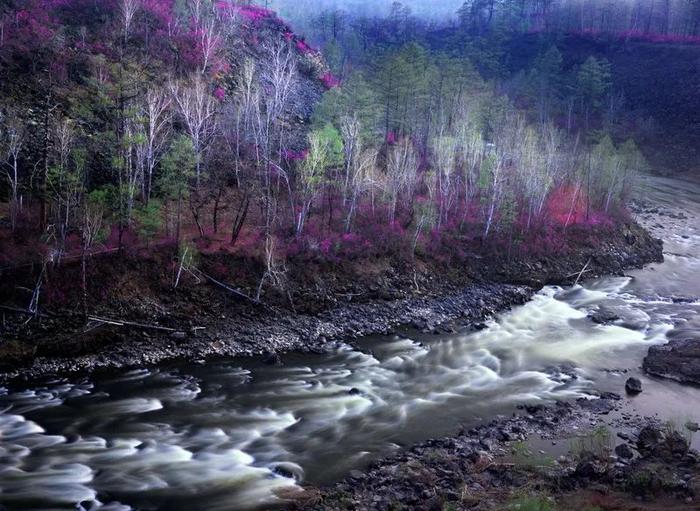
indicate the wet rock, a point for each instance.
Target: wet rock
{"x":604,"y":316}
{"x":692,"y":426}
{"x":601,"y":406}
{"x":678,"y":360}
{"x":624,"y":452}
{"x":179,"y":336}
{"x":633,"y":386}
{"x":354,"y":392}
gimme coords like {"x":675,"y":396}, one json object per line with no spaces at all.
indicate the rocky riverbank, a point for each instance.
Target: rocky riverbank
{"x":506,"y":465}
{"x":143,"y":321}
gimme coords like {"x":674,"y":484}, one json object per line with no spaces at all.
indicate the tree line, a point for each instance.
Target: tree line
{"x":186,"y":120}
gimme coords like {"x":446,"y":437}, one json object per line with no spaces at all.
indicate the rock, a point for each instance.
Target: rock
{"x":272,"y":359}
{"x":649,"y":438}
{"x":604,"y":316}
{"x":354,"y":392}
{"x":667,"y":445}
{"x":179,"y":336}
{"x":590,"y":467}
{"x":599,"y":406}
{"x":675,"y":446}
{"x":692,"y":426}
{"x":678,"y":360}
{"x":633,"y":386}
{"x":624,"y":452}
{"x":481,"y":461}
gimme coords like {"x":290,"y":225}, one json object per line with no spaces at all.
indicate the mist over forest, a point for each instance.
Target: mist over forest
{"x":296,"y":10}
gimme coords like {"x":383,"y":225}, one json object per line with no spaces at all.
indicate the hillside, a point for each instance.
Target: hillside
{"x":170,"y":166}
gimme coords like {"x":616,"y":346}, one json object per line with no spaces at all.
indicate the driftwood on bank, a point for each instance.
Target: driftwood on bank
{"x":584,"y":270}
{"x":144,"y":326}
{"x":25,"y":312}
{"x":228,"y":288}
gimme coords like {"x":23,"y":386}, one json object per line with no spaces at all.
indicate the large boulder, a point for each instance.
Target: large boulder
{"x":678,"y":360}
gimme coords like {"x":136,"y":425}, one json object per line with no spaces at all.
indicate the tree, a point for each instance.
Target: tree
{"x":594,"y":79}
{"x":127,"y":11}
{"x":65,"y":180}
{"x":402,"y":172}
{"x":178,"y":168}
{"x":546,"y":76}
{"x":12,"y":137}
{"x":325,"y":151}
{"x":155,"y":116}
{"x":444,"y":151}
{"x":149,"y":219}
{"x":92,"y":218}
{"x":198,"y":112}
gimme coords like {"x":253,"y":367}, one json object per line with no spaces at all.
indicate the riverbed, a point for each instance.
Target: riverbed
{"x":244,"y":435}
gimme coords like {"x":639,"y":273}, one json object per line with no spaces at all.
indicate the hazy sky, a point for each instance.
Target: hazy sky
{"x":427,"y":8}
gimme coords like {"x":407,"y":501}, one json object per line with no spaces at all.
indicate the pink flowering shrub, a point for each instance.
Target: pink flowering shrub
{"x":292,"y":155}
{"x":303,"y":47}
{"x":330,"y":81}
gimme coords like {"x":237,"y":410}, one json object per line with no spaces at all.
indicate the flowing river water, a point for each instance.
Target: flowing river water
{"x":242,"y":435}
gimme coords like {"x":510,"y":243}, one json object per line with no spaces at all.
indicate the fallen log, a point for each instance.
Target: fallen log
{"x":119,"y":322}
{"x":25,"y":312}
{"x":227,"y":287}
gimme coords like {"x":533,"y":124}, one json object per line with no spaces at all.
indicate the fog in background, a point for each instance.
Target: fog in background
{"x":297,"y":10}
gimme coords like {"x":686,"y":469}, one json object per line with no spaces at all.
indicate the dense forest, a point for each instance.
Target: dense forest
{"x":204,"y":127}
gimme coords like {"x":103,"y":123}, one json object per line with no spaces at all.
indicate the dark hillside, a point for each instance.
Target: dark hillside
{"x":659,"y":81}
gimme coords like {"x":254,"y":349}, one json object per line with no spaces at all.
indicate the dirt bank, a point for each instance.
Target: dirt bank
{"x":322,"y":301}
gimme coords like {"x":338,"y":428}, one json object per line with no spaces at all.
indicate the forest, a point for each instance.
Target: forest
{"x":205,"y":127}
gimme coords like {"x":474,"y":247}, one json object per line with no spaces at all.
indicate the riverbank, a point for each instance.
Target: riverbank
{"x":546,"y":458}
{"x":144,"y":322}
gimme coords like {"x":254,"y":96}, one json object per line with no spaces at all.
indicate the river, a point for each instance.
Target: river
{"x":241,"y":435}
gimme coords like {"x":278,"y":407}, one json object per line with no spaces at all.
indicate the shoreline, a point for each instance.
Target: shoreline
{"x":204,"y":323}
{"x":508,"y":464}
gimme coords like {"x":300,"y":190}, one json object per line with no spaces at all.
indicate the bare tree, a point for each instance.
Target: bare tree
{"x":444,"y":150}
{"x":92,"y":220}
{"x":402,"y":172}
{"x":278,"y":78}
{"x":210,"y":43}
{"x":495,"y":169}
{"x":64,"y":185}
{"x":311,"y":175}
{"x":14,"y":134}
{"x":198,"y":111}
{"x":361,"y":172}
{"x":127,"y":11}
{"x":155,"y":128}
{"x":352,"y":146}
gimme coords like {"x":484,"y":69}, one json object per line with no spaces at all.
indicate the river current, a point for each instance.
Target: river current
{"x":242,"y":435}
